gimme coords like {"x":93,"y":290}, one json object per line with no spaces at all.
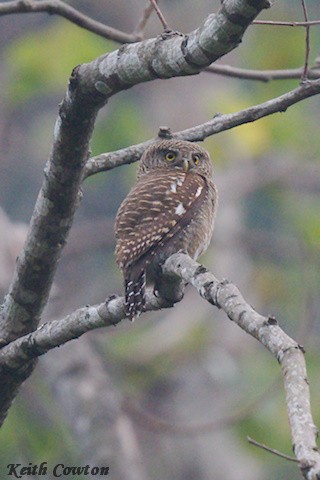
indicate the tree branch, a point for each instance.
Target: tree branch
{"x":56,"y":333}
{"x":160,"y":15}
{"x":172,"y":54}
{"x":266,"y":330}
{"x":223,"y":295}
{"x":49,"y":227}
{"x":280,"y":23}
{"x":218,"y":124}
{"x":261,"y":75}
{"x":58,"y":7}
{"x":52,"y":216}
{"x":271,"y":450}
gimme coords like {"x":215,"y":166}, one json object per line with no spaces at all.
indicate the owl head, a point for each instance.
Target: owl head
{"x":175,"y":154}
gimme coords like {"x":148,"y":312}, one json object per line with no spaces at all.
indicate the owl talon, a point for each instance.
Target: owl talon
{"x":111,"y":297}
{"x":169,"y":33}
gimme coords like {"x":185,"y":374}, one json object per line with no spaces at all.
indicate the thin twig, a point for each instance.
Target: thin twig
{"x":261,"y":75}
{"x":271,"y":450}
{"x":160,"y":15}
{"x":58,"y":7}
{"x":304,"y":76}
{"x":310,"y":23}
{"x":138,"y":31}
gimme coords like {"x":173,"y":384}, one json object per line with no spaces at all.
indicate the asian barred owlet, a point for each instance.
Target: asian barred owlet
{"x":170,"y":208}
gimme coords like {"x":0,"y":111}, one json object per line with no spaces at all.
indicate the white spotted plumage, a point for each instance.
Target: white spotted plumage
{"x":180,"y":210}
{"x":173,"y":188}
{"x":171,"y":207}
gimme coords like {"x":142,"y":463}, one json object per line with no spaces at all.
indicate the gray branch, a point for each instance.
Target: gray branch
{"x":262,"y":75}
{"x":223,"y":295}
{"x":52,"y":216}
{"x":173,"y":54}
{"x":57,"y":332}
{"x":58,"y":7}
{"x":219,"y":123}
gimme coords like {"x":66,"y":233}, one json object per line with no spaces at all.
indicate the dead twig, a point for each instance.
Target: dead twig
{"x":261,"y":75}
{"x":310,"y":23}
{"x":304,"y":76}
{"x":160,"y":15}
{"x":271,"y":450}
{"x":138,"y":30}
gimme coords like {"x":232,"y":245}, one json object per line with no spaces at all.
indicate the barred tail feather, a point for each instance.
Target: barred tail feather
{"x":135,"y":295}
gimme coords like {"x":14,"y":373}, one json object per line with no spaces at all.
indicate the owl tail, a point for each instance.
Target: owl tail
{"x":135,"y":295}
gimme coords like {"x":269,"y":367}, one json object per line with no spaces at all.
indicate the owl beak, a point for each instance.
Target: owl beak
{"x":185,"y":165}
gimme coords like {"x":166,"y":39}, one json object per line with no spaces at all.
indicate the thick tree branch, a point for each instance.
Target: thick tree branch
{"x":266,"y":330}
{"x":56,"y":333}
{"x":52,"y":216}
{"x":49,"y":226}
{"x":219,"y":123}
{"x":172,"y":54}
{"x":58,"y":7}
{"x":224,"y":295}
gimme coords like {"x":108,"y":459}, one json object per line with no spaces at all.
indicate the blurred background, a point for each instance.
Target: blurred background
{"x":175,"y":394}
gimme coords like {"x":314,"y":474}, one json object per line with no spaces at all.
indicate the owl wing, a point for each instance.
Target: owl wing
{"x":156,"y":209}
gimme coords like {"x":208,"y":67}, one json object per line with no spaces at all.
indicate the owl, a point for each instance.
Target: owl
{"x":170,"y":208}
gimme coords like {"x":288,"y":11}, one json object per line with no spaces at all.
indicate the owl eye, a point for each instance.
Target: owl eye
{"x":170,"y":156}
{"x":196,"y":159}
